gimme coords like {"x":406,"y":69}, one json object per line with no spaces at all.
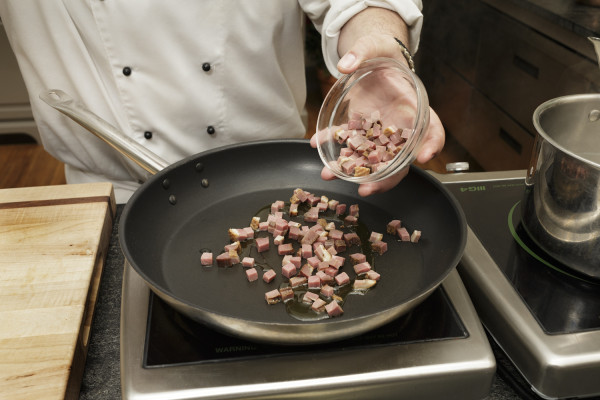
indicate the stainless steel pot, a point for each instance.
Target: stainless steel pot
{"x":561,"y":204}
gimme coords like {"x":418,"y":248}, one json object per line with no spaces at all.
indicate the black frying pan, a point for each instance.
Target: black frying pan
{"x":189,"y":206}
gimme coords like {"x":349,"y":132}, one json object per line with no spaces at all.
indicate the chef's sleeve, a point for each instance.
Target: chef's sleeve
{"x":330,"y":16}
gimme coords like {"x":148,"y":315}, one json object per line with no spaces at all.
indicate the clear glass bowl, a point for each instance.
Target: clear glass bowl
{"x":382,"y":97}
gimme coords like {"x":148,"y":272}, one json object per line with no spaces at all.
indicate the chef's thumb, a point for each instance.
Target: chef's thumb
{"x":365,"y":48}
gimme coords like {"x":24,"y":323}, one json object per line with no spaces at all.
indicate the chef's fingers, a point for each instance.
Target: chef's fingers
{"x":327,"y":175}
{"x":434,"y":139}
{"x":367,"y":47}
{"x":367,"y":189}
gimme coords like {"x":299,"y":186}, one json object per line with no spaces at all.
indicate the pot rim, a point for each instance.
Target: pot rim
{"x":557,"y":101}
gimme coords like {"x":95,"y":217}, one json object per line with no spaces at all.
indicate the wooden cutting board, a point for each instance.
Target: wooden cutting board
{"x":53,"y":243}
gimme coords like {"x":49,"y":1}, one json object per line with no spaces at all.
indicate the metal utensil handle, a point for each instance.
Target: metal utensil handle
{"x":79,"y":113}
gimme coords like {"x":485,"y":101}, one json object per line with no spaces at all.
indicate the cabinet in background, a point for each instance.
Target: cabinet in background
{"x":486,"y":73}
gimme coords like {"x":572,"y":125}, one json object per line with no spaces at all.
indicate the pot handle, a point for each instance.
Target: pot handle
{"x":79,"y":113}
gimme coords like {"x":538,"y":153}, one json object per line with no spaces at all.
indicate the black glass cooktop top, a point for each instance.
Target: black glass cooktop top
{"x":559,"y":300}
{"x":173,"y":339}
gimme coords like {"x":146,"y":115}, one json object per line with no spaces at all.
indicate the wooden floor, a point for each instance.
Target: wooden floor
{"x":28,"y":164}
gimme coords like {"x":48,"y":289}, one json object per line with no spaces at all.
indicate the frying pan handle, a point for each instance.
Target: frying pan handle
{"x":79,"y":113}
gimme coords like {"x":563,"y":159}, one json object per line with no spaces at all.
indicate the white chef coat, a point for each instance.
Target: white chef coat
{"x":179,"y":77}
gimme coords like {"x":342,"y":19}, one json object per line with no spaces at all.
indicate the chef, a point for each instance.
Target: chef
{"x":181,"y":77}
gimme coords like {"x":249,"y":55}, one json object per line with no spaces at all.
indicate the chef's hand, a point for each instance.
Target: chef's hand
{"x":434,"y":136}
{"x":370,"y":34}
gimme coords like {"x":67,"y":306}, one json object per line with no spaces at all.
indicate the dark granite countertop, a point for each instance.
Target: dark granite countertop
{"x":101,"y":378}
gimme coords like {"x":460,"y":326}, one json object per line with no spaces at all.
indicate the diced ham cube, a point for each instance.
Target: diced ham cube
{"x":357,"y":258}
{"x":379,"y":247}
{"x":323,"y":265}
{"x":311,"y":235}
{"x":332,"y":204}
{"x":376,"y":237}
{"x":224,"y":260}
{"x":269,"y":275}
{"x":390,"y":130}
{"x":313,"y":200}
{"x":284,"y":249}
{"x":252,"y":274}
{"x":322,"y":253}
{"x":234,"y":234}
{"x":299,"y":196}
{"x":288,"y":270}
{"x":287,"y":293}
{"x":314,"y":282}
{"x":392,"y":226}
{"x":277,"y":206}
{"x":352,"y":238}
{"x":309,"y":297}
{"x":306,"y":251}
{"x":396,"y":138}
{"x":342,"y":279}
{"x":415,"y":236}
{"x":234,"y":257}
{"x":382,"y":139}
{"x":313,"y":261}
{"x":281,"y":225}
{"x":362,"y":268}
{"x":355,"y":123}
{"x":294,"y":233}
{"x":334,"y":309}
{"x":273,"y":296}
{"x":206,"y":258}
{"x":233,"y":246}
{"x":362,"y":171}
{"x":248,"y":262}
{"x":373,"y":275}
{"x":306,"y":270}
{"x":340,"y":209}
{"x":404,"y":235}
{"x":311,"y":215}
{"x":297,"y":261}
{"x":348,"y":166}
{"x":350,"y":220}
{"x":363,"y":284}
{"x":337,"y":262}
{"x":336,"y":234}
{"x":340,"y":245}
{"x":262,"y":244}
{"x":327,"y":291}
{"x":325,"y":279}
{"x":354,"y":210}
{"x":255,"y":223}
{"x":296,"y":281}
{"x":375,"y":157}
{"x":318,"y":305}
{"x":278,"y":240}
